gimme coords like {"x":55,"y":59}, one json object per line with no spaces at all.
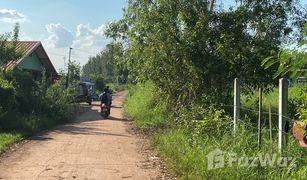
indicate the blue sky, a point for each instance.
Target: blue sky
{"x":60,"y":24}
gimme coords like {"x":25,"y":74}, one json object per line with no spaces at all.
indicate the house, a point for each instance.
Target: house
{"x":34,"y":60}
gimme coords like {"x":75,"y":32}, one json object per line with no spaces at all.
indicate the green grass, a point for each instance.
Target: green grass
{"x":9,"y":138}
{"x":140,"y":106}
{"x":117,"y":88}
{"x":189,"y":159}
{"x":296,"y":92}
{"x":185,"y":150}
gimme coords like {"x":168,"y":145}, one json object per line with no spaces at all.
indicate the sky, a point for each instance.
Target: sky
{"x":61,"y":24}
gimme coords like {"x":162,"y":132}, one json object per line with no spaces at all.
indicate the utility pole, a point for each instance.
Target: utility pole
{"x":64,"y":65}
{"x":67,"y":78}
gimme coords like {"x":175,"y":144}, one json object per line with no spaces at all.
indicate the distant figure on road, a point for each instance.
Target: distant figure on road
{"x":106,"y":97}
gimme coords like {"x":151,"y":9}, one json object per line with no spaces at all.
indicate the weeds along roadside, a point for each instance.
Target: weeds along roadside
{"x":186,"y":140}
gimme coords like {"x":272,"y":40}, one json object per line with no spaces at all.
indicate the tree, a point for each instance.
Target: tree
{"x":73,"y":75}
{"x":190,"y":49}
{"x":74,"y":72}
{"x":105,"y":64}
{"x":8,"y":50}
{"x":100,"y":83}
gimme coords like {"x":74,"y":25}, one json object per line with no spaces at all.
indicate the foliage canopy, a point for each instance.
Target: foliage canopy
{"x":189,"y":48}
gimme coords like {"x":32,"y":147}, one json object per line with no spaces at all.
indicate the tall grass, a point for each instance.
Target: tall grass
{"x":189,"y":160}
{"x":143,"y":106}
{"x":118,"y":87}
{"x":185,"y":149}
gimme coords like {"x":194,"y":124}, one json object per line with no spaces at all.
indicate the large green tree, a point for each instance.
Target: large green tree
{"x":191,"y":48}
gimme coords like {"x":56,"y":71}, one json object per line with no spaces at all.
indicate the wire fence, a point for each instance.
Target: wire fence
{"x":256,"y":112}
{"x":264,"y":120}
{"x":267,"y":130}
{"x":288,"y":119}
{"x":284,"y":121}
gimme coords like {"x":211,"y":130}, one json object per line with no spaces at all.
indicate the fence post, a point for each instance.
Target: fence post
{"x":270,"y":123}
{"x":282,"y":111}
{"x":259,"y":118}
{"x":236,"y":107}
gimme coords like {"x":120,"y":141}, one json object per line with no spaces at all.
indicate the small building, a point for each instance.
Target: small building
{"x":34,"y":60}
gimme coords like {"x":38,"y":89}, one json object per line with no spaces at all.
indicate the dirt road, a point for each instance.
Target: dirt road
{"x":90,"y":148}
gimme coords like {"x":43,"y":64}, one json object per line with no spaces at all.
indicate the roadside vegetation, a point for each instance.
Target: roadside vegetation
{"x":184,"y":142}
{"x":145,"y":107}
{"x":28,"y":106}
{"x":184,"y":56}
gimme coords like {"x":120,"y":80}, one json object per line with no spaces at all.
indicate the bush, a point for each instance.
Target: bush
{"x":298,"y":100}
{"x":37,"y":106}
{"x":6,"y":95}
{"x":58,"y":102}
{"x":25,"y":89}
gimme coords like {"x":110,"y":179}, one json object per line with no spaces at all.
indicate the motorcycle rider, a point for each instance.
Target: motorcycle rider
{"x":105,"y":98}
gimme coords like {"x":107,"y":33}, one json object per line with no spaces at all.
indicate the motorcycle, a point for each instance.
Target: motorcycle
{"x":104,"y":110}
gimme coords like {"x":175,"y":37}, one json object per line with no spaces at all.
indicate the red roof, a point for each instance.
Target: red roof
{"x":28,"y":47}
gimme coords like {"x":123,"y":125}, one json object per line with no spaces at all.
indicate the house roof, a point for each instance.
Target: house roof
{"x":28,"y":47}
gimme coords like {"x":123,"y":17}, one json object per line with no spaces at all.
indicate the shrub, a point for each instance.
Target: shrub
{"x":59,"y":102}
{"x":24,"y":87}
{"x":6,"y":95}
{"x":32,"y":105}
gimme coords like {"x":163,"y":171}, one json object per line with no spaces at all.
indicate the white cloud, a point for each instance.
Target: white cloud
{"x":11,"y":16}
{"x":87,"y":37}
{"x":59,"y":36}
{"x":86,"y":41}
